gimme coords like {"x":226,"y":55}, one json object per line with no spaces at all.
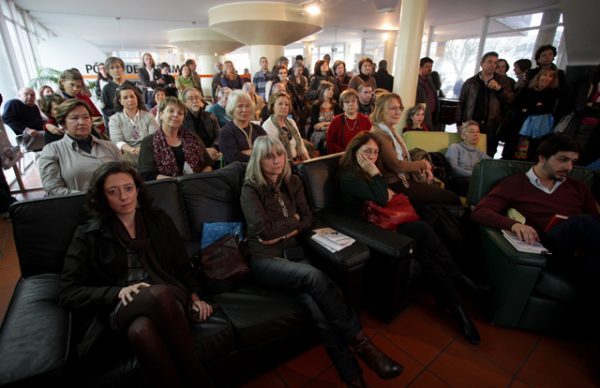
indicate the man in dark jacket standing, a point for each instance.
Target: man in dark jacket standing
{"x":484,"y":98}
{"x":383,"y":78}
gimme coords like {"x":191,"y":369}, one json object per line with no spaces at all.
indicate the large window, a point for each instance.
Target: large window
{"x":456,"y":49}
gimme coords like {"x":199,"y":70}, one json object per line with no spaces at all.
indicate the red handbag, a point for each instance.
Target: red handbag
{"x":398,"y":211}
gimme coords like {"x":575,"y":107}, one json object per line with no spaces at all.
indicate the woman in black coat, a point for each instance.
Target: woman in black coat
{"x":127,"y":277}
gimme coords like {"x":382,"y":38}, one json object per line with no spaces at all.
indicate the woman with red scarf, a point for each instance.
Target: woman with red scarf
{"x":172,"y":151}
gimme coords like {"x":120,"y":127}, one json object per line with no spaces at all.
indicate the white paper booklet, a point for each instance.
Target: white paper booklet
{"x":332,"y":239}
{"x":522,"y":246}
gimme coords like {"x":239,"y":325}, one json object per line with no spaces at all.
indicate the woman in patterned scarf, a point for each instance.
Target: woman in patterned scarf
{"x":284,"y":128}
{"x":172,"y":151}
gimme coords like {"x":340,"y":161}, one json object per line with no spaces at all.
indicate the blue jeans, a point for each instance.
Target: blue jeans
{"x":336,"y":321}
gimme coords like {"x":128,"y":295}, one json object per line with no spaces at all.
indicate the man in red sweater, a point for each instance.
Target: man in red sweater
{"x":544,"y":191}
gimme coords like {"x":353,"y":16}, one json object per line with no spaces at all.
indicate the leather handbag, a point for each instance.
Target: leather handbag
{"x":398,"y":211}
{"x":224,"y":259}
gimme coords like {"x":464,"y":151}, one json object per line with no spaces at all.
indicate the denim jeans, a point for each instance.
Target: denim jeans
{"x":336,"y":321}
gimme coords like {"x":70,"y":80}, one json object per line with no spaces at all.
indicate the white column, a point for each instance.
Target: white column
{"x":410,"y":36}
{"x":388,"y":49}
{"x":205,"y":65}
{"x":271,"y":52}
{"x":308,"y":55}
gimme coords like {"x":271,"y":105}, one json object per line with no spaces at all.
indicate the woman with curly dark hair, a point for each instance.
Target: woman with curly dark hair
{"x":127,"y":278}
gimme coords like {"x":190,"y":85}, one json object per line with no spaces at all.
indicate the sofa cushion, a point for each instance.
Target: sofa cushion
{"x":211,"y":197}
{"x":165,"y":195}
{"x":558,"y":287}
{"x":214,"y":338}
{"x":34,"y":340}
{"x":259,"y":315}
{"x":43,"y":229}
{"x":319,"y":178}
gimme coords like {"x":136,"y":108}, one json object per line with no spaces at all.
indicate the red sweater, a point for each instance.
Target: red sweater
{"x":340,"y":133}
{"x":572,"y":197}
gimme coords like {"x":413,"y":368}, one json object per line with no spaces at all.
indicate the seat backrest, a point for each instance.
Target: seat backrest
{"x":488,"y":172}
{"x":437,"y":141}
{"x":43,"y":229}
{"x":319,"y":176}
{"x":166,"y":196}
{"x":212,"y":197}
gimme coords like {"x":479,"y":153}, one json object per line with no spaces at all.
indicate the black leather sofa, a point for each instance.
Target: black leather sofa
{"x":391,"y":275}
{"x":253,"y":329}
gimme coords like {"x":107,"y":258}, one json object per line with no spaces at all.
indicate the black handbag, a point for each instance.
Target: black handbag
{"x":225,"y":259}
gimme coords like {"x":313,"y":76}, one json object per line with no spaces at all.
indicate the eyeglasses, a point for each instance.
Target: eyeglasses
{"x":193,"y":98}
{"x":371,"y":151}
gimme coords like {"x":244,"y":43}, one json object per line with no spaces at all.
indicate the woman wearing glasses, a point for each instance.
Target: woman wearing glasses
{"x":280,"y":126}
{"x":361,"y":180}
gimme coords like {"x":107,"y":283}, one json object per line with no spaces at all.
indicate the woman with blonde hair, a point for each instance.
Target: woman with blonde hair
{"x":230,"y":77}
{"x":396,"y":163}
{"x":280,"y":126}
{"x":237,"y":137}
{"x":276,"y":211}
{"x":535,"y":105}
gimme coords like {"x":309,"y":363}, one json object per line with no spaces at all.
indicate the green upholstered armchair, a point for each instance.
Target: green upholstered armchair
{"x":526,"y":295}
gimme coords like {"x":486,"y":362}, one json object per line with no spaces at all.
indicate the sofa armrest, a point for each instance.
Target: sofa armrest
{"x":35,"y":334}
{"x":505,"y":248}
{"x":395,"y":245}
{"x":348,"y":259}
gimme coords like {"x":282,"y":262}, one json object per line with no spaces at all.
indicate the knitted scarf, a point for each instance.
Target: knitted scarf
{"x":284,"y":136}
{"x":193,"y":151}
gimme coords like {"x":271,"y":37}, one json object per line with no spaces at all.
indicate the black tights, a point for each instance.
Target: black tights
{"x":157,"y":328}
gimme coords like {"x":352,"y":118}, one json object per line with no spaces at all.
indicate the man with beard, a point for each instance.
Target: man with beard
{"x":541,"y":194}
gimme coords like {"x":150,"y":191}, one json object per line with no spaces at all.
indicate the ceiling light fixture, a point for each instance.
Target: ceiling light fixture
{"x":313,"y":9}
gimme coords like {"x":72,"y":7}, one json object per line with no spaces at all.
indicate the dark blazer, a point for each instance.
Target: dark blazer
{"x":232,"y":142}
{"x":206,"y":126}
{"x":149,"y":80}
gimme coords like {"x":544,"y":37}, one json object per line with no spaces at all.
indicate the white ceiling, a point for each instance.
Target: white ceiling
{"x":144,"y":25}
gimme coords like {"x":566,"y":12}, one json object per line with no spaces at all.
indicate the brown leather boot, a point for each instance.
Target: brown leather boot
{"x":367,"y":352}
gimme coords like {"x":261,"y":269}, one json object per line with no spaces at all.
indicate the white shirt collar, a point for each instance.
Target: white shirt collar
{"x":537,"y":183}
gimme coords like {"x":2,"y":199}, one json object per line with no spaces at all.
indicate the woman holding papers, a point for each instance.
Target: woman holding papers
{"x":276,"y":211}
{"x":361,"y":180}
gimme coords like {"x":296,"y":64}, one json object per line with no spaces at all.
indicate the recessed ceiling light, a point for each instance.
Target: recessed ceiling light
{"x":313,"y":9}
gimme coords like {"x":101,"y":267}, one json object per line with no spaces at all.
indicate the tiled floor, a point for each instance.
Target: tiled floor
{"x":421,"y":338}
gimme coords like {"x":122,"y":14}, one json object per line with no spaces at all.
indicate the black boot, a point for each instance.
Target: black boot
{"x":466,"y":281}
{"x":367,"y":352}
{"x":467,"y":328}
{"x":359,"y":382}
